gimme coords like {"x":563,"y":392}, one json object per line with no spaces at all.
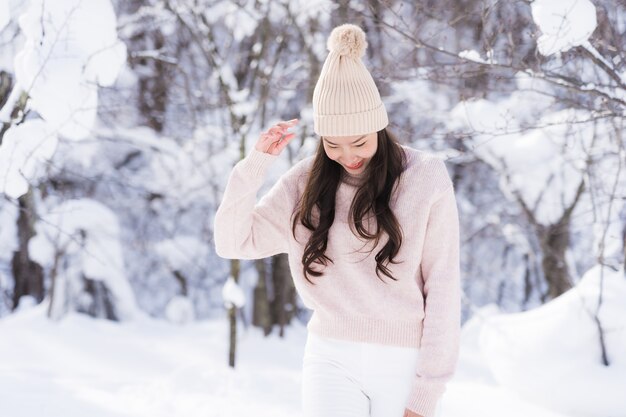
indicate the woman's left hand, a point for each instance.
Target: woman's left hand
{"x":409,"y":413}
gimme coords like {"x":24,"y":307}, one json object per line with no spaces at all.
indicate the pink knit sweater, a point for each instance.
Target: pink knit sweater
{"x":421,"y":309}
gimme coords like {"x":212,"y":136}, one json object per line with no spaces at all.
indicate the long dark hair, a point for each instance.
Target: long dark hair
{"x":373,"y":195}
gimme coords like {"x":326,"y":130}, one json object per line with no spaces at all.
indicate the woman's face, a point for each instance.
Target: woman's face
{"x":351,"y":152}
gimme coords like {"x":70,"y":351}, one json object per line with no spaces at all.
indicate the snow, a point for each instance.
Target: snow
{"x":70,"y":49}
{"x":564,"y":24}
{"x":26,"y":302}
{"x":557,"y":345}
{"x":5,"y":14}
{"x":180,"y":172}
{"x":232,"y":294}
{"x":179,"y":310}
{"x":181,"y":251}
{"x":80,"y":366}
{"x":63,"y":62}
{"x":86,"y":234}
{"x":431,"y":103}
{"x":24,"y":150}
{"x":609,"y":64}
{"x":515,"y":235}
{"x":8,"y":231}
{"x":510,"y":364}
{"x":549,"y":180}
{"x":473,"y":55}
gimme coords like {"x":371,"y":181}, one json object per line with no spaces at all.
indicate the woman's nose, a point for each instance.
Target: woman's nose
{"x":349,"y":156}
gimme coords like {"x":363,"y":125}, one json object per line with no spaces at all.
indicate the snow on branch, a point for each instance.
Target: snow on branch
{"x":564,"y":24}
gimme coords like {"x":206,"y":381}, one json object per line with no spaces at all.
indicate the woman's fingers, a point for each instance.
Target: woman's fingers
{"x":285,"y":141}
{"x":288,"y":123}
{"x":276,"y":137}
{"x":280,"y":127}
{"x":279,"y":135}
{"x":277,"y":146}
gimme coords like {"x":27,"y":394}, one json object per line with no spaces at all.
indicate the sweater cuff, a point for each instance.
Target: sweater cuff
{"x":255,"y":164}
{"x":424,"y":397}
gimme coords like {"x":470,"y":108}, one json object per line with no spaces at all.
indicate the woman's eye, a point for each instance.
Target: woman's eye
{"x":335,"y":147}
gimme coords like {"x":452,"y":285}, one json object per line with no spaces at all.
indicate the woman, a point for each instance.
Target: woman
{"x":372,"y":232}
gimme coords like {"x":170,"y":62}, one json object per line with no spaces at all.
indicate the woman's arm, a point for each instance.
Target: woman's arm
{"x":242,"y":228}
{"x":442,"y":304}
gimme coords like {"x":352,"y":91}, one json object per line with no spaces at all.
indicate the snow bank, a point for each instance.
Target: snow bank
{"x":81,"y":366}
{"x":564,"y":24}
{"x":551,"y":355}
{"x":179,"y":310}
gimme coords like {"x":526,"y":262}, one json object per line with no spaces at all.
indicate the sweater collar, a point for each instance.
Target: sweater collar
{"x":351,"y":179}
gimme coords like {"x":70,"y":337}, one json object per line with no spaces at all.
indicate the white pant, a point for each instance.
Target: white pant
{"x":343,"y":378}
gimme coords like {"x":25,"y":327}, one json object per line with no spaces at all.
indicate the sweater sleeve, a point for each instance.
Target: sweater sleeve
{"x":242,"y":228}
{"x":440,"y":268}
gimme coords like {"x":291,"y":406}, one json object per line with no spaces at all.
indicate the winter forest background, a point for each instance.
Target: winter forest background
{"x":120,"y":122}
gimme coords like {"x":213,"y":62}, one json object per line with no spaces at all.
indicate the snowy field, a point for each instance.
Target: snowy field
{"x":84,"y":367}
{"x":541,"y":363}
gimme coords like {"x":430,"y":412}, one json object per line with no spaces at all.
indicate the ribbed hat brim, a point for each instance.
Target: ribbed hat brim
{"x":351,"y":124}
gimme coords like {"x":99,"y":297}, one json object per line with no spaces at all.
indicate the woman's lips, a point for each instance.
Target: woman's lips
{"x":357,"y":166}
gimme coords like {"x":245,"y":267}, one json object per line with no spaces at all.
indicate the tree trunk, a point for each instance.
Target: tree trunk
{"x":284,"y":303}
{"x":232,"y":316}
{"x":261,"y":314}
{"x":554,"y":240}
{"x":101,"y":304}
{"x":624,"y":246}
{"x":153,"y":88}
{"x":154,"y":72}
{"x":27,"y":274}
{"x":182,"y":281}
{"x":56,"y":307}
{"x":6,"y":84}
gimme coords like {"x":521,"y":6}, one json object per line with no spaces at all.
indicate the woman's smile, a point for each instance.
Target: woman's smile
{"x":356,"y":166}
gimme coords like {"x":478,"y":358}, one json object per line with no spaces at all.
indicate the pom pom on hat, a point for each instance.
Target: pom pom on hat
{"x":347,"y":40}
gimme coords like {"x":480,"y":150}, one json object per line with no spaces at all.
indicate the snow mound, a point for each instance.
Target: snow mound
{"x":551,"y":355}
{"x":180,"y":310}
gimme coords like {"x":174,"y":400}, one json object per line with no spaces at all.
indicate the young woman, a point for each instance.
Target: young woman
{"x":372,"y":232}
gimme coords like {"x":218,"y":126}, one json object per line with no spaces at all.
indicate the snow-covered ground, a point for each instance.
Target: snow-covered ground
{"x":509,"y":364}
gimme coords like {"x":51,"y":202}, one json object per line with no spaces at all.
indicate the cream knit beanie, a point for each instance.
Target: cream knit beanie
{"x":346,"y":101}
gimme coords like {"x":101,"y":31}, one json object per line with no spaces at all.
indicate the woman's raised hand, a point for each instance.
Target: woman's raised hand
{"x":274,"y":139}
